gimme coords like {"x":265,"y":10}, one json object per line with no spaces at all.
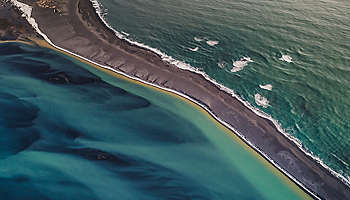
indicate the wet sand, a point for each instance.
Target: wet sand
{"x":74,"y":25}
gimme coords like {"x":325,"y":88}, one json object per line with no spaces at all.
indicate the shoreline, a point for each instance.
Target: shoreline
{"x":16,"y":41}
{"x":98,"y":8}
{"x":205,"y":106}
{"x":283,"y":175}
{"x":228,"y":129}
{"x":184,"y":66}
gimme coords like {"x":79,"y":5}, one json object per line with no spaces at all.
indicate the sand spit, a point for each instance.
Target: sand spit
{"x":79,"y":29}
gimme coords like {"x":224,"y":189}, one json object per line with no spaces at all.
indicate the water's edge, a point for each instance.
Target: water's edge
{"x":27,"y":12}
{"x":180,"y":64}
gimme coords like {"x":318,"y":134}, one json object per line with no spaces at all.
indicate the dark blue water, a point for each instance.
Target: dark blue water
{"x":70,"y":131}
{"x":309,"y":96}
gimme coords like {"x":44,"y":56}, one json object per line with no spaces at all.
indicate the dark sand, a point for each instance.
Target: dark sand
{"x":74,"y":25}
{"x":12,"y":25}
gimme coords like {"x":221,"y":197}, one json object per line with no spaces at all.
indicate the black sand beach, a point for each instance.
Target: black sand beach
{"x":74,"y":25}
{"x":12,"y":25}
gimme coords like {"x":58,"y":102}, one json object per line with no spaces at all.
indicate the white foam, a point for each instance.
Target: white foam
{"x":124,"y":33}
{"x":27,"y":13}
{"x":266,"y":87}
{"x":258,"y":112}
{"x":221,"y":64}
{"x":197,"y":39}
{"x":261,"y":101}
{"x":26,"y":9}
{"x":188,"y":67}
{"x":212,"y":42}
{"x":238,"y":65}
{"x":286,"y":58}
{"x":194,"y":49}
{"x":209,"y":42}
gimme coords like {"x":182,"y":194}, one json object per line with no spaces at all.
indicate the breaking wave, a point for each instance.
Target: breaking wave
{"x":286,"y":58}
{"x":261,"y":101}
{"x":238,"y":65}
{"x":194,"y":49}
{"x":100,"y":11}
{"x":266,"y":87}
{"x":212,"y":42}
{"x":182,"y":65}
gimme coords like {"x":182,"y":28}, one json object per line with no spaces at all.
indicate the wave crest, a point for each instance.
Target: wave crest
{"x":261,"y":101}
{"x":22,"y":7}
{"x":257,"y":111}
{"x":286,"y":58}
{"x":266,"y":87}
{"x":238,"y":65}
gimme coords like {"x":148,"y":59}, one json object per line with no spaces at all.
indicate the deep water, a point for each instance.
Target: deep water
{"x":309,"y":96}
{"x":71,"y":131}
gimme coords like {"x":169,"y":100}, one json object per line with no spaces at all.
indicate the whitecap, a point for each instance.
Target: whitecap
{"x":238,"y":65}
{"x":221,"y":64}
{"x":194,"y":49}
{"x":27,"y":12}
{"x":266,"y":87}
{"x":197,"y":39}
{"x":124,"y":33}
{"x":212,"y":42}
{"x":286,"y":58}
{"x":261,"y":101}
{"x":185,"y":66}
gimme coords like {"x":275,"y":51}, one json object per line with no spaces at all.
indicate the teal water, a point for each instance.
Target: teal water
{"x":309,"y":96}
{"x":71,"y":131}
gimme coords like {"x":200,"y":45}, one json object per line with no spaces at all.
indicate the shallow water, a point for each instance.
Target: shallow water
{"x":70,"y":131}
{"x":299,"y":47}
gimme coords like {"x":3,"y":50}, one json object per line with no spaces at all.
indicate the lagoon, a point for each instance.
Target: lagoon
{"x":72,"y":131}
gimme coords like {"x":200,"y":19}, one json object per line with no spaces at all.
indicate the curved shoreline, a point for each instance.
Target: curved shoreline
{"x":180,"y":64}
{"x":184,"y":97}
{"x":201,"y":104}
{"x":227,"y":128}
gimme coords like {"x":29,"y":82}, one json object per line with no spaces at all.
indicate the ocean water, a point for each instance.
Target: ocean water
{"x":71,"y":131}
{"x":290,"y":59}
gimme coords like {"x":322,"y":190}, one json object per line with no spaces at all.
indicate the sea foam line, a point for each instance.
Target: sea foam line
{"x":27,"y":14}
{"x":185,"y":66}
{"x":266,"y":87}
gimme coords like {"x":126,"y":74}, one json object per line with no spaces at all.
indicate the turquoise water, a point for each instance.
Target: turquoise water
{"x":70,"y":131}
{"x":309,"y":96}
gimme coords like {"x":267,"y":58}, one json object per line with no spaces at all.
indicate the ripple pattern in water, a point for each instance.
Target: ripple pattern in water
{"x":301,"y":48}
{"x":70,"y":131}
